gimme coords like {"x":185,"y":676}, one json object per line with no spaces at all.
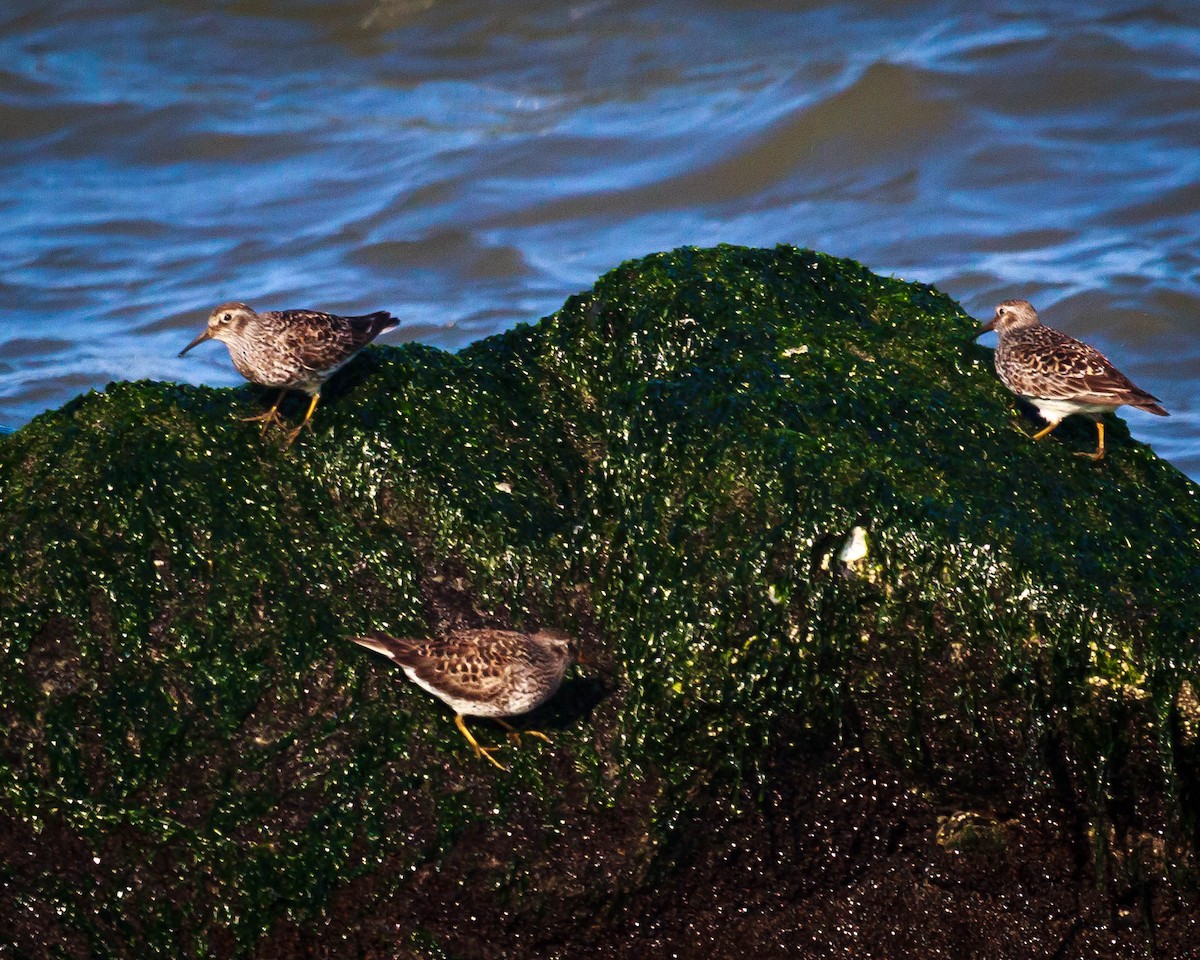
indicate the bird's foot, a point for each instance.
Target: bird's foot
{"x":293,"y":434}
{"x":480,"y":750}
{"x":1098,"y":455}
{"x":306,"y":422}
{"x":514,"y":735}
{"x":486,"y":753}
{"x":272,"y":414}
{"x":269,"y":415}
{"x":266,"y":419}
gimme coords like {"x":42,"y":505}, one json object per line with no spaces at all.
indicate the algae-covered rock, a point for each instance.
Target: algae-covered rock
{"x":827,"y":586}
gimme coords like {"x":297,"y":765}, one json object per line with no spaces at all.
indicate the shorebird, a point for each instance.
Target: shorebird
{"x":1058,"y":374}
{"x":483,"y":673}
{"x":290,"y":349}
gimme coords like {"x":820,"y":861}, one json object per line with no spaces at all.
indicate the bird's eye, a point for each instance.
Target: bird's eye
{"x":227,"y":318}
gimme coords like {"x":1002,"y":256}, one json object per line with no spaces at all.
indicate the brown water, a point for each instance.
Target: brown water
{"x":468,"y":166}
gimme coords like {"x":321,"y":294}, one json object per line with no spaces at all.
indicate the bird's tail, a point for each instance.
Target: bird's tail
{"x":380,"y":643}
{"x":1150,"y":405}
{"x":376,"y":323}
{"x":366,"y":328}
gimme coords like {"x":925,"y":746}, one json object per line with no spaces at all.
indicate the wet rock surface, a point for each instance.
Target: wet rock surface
{"x":872,"y":673}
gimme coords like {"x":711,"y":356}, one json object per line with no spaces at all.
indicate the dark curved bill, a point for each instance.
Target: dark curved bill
{"x":986,"y":327}
{"x":200,"y":339}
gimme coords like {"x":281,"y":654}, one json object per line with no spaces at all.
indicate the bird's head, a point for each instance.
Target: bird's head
{"x":560,"y":645}
{"x":1011,"y":315}
{"x":225,"y":323}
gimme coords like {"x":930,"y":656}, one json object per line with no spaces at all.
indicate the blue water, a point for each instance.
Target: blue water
{"x":468,"y":166}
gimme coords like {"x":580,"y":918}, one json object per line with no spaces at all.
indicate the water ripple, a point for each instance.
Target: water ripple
{"x":468,"y":168}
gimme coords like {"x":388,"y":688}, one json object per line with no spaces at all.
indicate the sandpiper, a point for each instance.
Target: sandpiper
{"x":1058,"y":374}
{"x":290,"y":349}
{"x":483,"y":673}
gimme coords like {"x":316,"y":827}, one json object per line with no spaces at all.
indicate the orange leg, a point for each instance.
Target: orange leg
{"x":479,"y":751}
{"x":1046,"y":431}
{"x":271,"y":416}
{"x":293,"y":434}
{"x":1099,"y":454}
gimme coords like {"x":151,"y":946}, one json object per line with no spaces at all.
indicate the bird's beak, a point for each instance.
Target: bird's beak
{"x":990,"y":325}
{"x":206,"y":335}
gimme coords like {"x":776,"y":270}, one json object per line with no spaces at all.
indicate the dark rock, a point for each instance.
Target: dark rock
{"x":973,"y":739}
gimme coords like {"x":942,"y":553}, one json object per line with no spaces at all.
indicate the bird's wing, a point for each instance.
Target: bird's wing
{"x":328,"y":339}
{"x":307,"y":317}
{"x":1114,"y":387}
{"x":462,"y":671}
{"x":455,"y":665}
{"x":1055,"y":366}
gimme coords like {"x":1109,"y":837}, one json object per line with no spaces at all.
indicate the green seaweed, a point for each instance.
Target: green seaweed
{"x":195,"y":761}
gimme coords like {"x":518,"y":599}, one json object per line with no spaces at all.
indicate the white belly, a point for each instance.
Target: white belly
{"x":522,"y":698}
{"x":1054,"y":410}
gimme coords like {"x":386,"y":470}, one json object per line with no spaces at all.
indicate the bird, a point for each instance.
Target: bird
{"x":483,"y":673}
{"x":1058,"y":374}
{"x":290,"y":349}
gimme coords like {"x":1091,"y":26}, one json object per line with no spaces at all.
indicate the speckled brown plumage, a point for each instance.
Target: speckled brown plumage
{"x":482,"y":673}
{"x":1058,"y":374}
{"x":290,"y":349}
